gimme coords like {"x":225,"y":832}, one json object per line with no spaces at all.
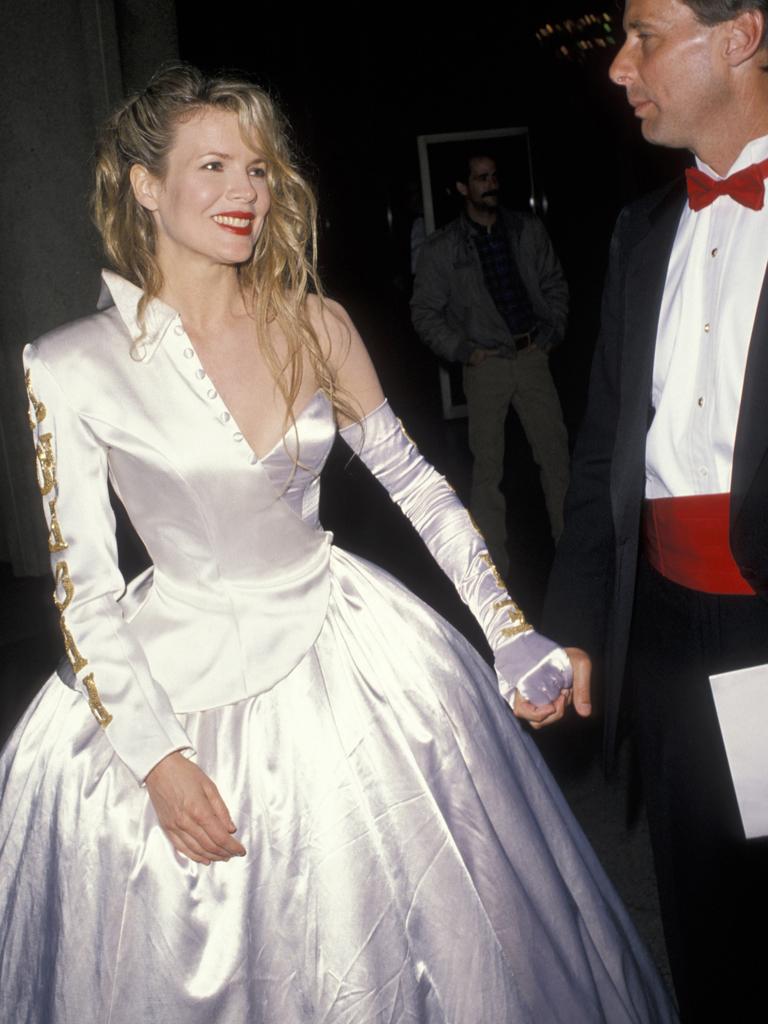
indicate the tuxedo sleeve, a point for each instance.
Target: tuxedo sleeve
{"x":103,"y":661}
{"x":580,"y":586}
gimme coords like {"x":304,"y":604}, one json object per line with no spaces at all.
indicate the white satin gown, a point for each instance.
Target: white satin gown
{"x":410,"y":859}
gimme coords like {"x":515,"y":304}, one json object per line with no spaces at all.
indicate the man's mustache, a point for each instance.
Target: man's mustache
{"x":493,"y":192}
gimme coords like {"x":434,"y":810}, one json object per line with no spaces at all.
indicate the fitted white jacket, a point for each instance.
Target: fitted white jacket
{"x":223,"y":614}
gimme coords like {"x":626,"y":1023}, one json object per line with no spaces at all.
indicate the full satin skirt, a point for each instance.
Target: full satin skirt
{"x":410,"y":859}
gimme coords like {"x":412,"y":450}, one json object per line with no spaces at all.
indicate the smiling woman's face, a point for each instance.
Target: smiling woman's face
{"x":211,"y":202}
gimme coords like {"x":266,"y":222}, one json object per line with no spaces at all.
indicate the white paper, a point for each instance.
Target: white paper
{"x":741,"y":700}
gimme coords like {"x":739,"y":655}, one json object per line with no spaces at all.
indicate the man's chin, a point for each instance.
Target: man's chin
{"x":653,"y":132}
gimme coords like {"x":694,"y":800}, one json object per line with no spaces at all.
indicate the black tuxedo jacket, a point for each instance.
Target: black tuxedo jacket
{"x":591,"y":588}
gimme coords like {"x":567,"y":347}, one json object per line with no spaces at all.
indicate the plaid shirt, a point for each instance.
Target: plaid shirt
{"x":502,"y":278}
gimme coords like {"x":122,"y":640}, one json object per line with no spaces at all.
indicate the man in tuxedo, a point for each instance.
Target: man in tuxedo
{"x":662,"y":571}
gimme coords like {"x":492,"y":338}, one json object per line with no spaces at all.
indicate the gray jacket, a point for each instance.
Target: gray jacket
{"x":453,"y":311}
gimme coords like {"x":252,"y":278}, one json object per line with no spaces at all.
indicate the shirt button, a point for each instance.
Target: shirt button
{"x":178,"y":329}
{"x":707,"y":328}
{"x":225,"y":417}
{"x":188,"y":353}
{"x":703,"y":471}
{"x":200,"y":374}
{"x":212,"y":392}
{"x":237,"y":436}
{"x":714,"y":253}
{"x":701,"y":402}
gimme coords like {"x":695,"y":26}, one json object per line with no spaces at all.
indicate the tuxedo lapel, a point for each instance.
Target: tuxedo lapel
{"x":649,"y":248}
{"x":752,"y":431}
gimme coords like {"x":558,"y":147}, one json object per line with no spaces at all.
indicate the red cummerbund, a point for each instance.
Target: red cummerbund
{"x":686,"y":540}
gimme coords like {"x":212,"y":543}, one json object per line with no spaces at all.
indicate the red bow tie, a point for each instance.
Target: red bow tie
{"x":746,"y":187}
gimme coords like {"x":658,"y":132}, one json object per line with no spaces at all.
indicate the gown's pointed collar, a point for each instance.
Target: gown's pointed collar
{"x":125,"y":296}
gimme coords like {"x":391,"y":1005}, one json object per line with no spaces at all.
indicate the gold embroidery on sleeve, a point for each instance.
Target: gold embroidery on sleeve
{"x":64,"y":588}
{"x":100,"y":713}
{"x":63,"y":580}
{"x":40,"y":411}
{"x":56,"y":540}
{"x":46,"y":464}
{"x":76,"y":660}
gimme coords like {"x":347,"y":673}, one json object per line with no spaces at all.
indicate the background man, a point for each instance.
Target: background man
{"x":489,"y":293}
{"x":663,"y":564}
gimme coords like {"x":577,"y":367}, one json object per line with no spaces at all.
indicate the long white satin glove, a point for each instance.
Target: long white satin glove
{"x":525,"y":661}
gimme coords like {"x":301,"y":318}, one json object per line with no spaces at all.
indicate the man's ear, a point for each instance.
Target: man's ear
{"x":461,"y":188}
{"x":743,"y":37}
{"x":145,"y":186}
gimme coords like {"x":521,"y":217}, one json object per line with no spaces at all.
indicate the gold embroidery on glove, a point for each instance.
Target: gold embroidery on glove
{"x":475,"y":527}
{"x":63,"y":580}
{"x":519,"y":625}
{"x":46,"y":464}
{"x":40,"y":411}
{"x":56,"y":540}
{"x":496,"y":575}
{"x":407,"y":435}
{"x":100,"y":713}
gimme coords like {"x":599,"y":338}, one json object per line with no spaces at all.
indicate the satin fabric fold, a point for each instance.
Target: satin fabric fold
{"x":410,"y":858}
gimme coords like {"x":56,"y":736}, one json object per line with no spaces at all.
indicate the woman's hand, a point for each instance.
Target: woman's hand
{"x":538,"y":715}
{"x":191,"y":811}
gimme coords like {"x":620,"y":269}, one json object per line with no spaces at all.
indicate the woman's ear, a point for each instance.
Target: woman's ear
{"x":145,"y":186}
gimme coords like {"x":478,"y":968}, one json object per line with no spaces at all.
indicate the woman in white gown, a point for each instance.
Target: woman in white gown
{"x":382,"y":842}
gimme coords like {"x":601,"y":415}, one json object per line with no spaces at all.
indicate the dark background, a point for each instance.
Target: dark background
{"x":358,"y":86}
{"x":359,"y":90}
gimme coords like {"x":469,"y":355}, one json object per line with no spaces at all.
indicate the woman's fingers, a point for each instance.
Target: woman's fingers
{"x":191,"y":811}
{"x":224,"y":819}
{"x":539,"y":715}
{"x":188,"y":847}
{"x":214,"y":838}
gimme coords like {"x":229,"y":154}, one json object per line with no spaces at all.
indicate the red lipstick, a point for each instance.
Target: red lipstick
{"x":235,"y":218}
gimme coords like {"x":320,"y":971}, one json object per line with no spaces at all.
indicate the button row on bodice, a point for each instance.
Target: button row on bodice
{"x":223,"y":415}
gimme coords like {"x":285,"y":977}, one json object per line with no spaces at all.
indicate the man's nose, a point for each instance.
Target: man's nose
{"x":621,"y":69}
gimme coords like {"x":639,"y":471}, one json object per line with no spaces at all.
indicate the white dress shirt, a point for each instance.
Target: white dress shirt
{"x":708,"y":310}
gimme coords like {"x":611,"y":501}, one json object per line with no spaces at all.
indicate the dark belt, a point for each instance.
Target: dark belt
{"x":522,"y":341}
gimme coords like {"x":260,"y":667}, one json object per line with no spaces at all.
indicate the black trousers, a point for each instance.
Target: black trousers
{"x":713,"y":883}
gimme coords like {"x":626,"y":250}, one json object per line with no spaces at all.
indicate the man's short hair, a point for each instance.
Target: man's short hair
{"x":463,"y":162}
{"x":710,"y":12}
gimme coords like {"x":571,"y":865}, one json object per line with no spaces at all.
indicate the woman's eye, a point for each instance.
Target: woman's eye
{"x":259,"y":172}
{"x":213,"y":165}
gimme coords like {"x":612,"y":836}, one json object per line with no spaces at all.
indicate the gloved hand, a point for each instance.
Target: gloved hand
{"x":525,"y":661}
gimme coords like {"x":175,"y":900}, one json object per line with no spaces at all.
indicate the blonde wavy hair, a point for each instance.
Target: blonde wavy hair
{"x":282,"y":271}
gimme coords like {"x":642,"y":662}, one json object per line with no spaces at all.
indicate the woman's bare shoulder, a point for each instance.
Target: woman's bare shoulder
{"x":345,"y":351}
{"x":336,"y":332}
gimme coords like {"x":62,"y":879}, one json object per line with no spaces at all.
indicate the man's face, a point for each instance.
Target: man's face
{"x":482,"y":187}
{"x":671,"y":66}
